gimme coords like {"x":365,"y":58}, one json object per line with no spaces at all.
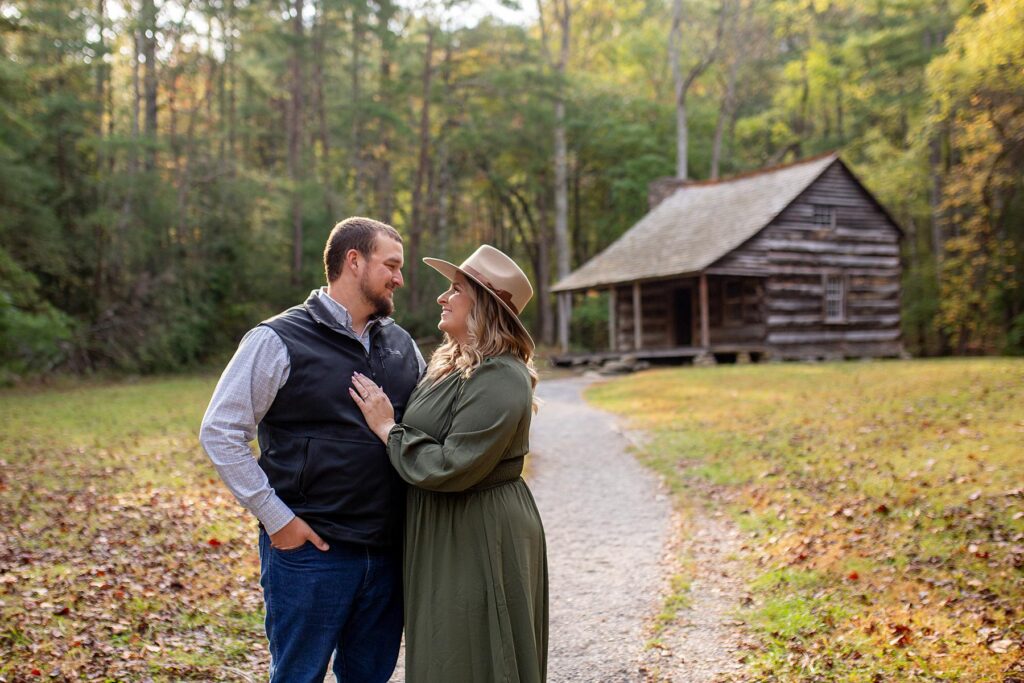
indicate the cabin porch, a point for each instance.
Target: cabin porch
{"x":702,"y":316}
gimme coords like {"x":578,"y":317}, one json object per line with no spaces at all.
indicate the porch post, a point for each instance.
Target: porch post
{"x":613,"y":323}
{"x":638,"y":325}
{"x":705,"y":328}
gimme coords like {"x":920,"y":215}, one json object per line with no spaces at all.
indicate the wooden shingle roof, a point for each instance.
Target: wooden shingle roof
{"x":697,"y":225}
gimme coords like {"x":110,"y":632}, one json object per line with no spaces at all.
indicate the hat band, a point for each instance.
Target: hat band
{"x":502,"y":294}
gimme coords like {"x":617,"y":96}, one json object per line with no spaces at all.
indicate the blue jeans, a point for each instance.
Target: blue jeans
{"x":346,"y":601}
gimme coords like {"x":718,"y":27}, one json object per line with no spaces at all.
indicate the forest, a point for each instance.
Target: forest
{"x":169,"y":169}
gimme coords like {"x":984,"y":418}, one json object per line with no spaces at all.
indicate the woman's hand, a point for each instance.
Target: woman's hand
{"x":377,"y":409}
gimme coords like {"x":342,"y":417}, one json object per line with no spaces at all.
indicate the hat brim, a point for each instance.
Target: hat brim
{"x":450,"y":269}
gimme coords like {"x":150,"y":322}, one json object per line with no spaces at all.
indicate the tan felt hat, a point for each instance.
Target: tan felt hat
{"x":496,"y":273}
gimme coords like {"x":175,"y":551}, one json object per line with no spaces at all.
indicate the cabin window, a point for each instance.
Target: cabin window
{"x":740,"y":302}
{"x":824,"y":215}
{"x":732,"y":310}
{"x":835,"y":297}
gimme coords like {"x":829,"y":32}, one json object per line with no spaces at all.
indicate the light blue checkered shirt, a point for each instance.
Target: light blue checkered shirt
{"x":244,"y":394}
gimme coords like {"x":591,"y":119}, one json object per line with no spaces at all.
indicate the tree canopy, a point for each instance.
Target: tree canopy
{"x":169,"y":169}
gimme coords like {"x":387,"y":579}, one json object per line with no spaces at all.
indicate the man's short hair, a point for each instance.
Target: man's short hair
{"x":353,"y":233}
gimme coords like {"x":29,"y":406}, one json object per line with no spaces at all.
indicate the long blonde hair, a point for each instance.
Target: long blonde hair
{"x":492,"y":331}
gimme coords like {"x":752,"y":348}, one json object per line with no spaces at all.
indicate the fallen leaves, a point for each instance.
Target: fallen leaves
{"x":1002,"y":646}
{"x":120,"y":582}
{"x":894,"y":486}
{"x":902,"y":633}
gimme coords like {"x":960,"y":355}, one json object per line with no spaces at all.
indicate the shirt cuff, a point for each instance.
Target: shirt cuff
{"x":274,"y":514}
{"x":396,"y":430}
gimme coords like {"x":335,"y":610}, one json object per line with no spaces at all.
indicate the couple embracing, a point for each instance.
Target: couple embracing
{"x":387,"y":488}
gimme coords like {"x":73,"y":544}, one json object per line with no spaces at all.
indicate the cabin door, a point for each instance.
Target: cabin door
{"x":682,"y":307}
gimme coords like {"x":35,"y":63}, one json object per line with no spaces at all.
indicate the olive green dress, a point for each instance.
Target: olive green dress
{"x":475,"y":579}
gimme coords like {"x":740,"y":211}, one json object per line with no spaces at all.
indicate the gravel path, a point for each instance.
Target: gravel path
{"x":613,"y":542}
{"x":607,"y":526}
{"x":705,"y":643}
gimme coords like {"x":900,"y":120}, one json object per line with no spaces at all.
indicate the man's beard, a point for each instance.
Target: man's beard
{"x":382,"y":305}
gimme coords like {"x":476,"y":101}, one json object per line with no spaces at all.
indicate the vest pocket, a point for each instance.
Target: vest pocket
{"x":347,"y":479}
{"x":284,"y":460}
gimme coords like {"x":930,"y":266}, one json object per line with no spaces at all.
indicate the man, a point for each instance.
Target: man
{"x":328,"y":502}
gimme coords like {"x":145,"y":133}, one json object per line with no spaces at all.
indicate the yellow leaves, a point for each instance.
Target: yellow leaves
{"x":128,"y":557}
{"x":874,"y":494}
{"x":977,"y":87}
{"x":979,"y":49}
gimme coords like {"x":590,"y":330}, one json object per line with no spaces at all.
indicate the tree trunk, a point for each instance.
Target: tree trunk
{"x":149,"y":79}
{"x":544,"y":306}
{"x":415,"y":229}
{"x":222,"y":92}
{"x":99,"y":231}
{"x":101,"y":74}
{"x":563,"y":253}
{"x":935,"y":202}
{"x":172,"y":120}
{"x":229,"y":66}
{"x":323,"y":132}
{"x":547,"y":313}
{"x":294,"y":124}
{"x":938,"y":236}
{"x":446,"y":193}
{"x":839,"y":114}
{"x":185,"y":173}
{"x":384,"y":188}
{"x":133,"y":152}
{"x":725,"y":114}
{"x":682,"y":128}
{"x":578,"y":240}
{"x":356,"y":160}
{"x":561,"y":221}
{"x":683,"y":83}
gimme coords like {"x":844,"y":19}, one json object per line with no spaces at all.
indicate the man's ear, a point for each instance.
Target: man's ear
{"x":353,"y":259}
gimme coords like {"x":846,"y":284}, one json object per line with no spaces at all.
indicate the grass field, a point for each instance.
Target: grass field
{"x":882,"y":505}
{"x":122,"y":556}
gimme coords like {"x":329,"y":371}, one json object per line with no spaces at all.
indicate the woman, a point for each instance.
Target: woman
{"x":475,"y":578}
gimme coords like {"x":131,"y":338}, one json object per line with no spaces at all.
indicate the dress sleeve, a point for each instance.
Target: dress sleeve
{"x":486,"y":419}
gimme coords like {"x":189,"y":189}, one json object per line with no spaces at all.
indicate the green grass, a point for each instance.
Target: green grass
{"x":107,"y":507}
{"x":881,"y":501}
{"x":678,"y":599}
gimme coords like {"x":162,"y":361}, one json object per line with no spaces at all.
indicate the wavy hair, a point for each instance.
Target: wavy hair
{"x":492,"y":331}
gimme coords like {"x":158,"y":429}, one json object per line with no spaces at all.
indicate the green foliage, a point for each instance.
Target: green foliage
{"x":1015,"y":337}
{"x":589,"y":326}
{"x":977,"y":86}
{"x":34,"y":336}
{"x":153,"y":250}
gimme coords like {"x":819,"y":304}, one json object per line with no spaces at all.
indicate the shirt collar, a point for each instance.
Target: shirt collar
{"x":340,"y":313}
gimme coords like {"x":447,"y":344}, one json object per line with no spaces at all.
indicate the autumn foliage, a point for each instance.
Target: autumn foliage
{"x":882,"y":504}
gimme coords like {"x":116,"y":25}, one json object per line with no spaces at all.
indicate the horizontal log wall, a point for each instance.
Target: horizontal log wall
{"x":796,"y":254}
{"x":655,"y":302}
{"x":659,"y":319}
{"x":790,"y":259}
{"x":751,"y":328}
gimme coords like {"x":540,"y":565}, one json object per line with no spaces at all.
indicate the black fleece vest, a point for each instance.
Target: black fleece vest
{"x":317,"y":451}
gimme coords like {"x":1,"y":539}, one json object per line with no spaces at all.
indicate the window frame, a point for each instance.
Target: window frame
{"x":831,"y":210}
{"x":842,"y":281}
{"x":727,"y":320}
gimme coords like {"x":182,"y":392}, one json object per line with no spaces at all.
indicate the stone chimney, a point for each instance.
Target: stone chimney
{"x":659,"y":189}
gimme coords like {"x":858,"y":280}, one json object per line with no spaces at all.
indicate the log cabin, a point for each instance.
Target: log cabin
{"x":793,"y":262}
